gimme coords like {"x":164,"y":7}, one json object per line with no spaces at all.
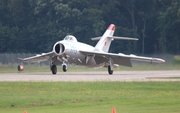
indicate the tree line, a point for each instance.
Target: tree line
{"x":33,"y":26}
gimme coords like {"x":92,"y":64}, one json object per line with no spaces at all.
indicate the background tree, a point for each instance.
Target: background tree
{"x":35,"y":25}
{"x":168,"y":26}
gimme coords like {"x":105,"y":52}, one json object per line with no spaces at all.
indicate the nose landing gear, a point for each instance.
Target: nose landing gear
{"x":64,"y":67}
{"x":53,"y":68}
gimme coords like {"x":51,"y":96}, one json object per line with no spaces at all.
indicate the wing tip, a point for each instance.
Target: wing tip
{"x":20,"y":59}
{"x":159,"y":60}
{"x":163,"y":60}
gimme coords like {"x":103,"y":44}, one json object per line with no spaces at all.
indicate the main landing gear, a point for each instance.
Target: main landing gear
{"x":110,"y":71}
{"x":111,"y":66}
{"x":53,"y":69}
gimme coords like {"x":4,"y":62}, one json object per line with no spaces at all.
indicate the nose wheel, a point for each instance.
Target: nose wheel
{"x":64,"y":67}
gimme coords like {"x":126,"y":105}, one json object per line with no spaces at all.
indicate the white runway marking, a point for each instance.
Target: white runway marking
{"x":95,"y":76}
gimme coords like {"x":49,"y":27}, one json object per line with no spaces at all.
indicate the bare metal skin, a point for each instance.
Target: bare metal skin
{"x":70,"y":51}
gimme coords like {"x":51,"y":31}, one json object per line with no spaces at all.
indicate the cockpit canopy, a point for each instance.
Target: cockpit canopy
{"x":70,"y":38}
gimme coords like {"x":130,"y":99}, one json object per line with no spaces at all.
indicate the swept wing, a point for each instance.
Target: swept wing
{"x":120,"y":58}
{"x":39,"y":58}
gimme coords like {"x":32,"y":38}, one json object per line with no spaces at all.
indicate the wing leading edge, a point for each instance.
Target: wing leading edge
{"x":39,"y":58}
{"x":122,"y":59}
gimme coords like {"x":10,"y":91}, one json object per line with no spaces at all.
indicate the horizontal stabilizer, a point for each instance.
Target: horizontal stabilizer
{"x":96,"y":38}
{"x":116,"y":37}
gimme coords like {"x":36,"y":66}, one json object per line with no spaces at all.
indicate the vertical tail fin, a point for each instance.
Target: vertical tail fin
{"x":105,"y":41}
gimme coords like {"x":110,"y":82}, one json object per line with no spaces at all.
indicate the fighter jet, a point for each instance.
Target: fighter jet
{"x":70,"y":51}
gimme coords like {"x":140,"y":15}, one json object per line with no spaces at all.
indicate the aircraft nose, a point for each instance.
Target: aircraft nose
{"x":59,"y":48}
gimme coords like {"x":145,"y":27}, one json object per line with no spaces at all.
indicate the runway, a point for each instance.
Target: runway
{"x":123,"y":76}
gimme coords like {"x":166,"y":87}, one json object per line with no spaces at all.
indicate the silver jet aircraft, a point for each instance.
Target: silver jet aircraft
{"x":71,"y":51}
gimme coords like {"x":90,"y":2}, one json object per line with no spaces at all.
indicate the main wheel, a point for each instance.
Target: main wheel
{"x":109,"y":70}
{"x":54,"y":69}
{"x":64,"y":67}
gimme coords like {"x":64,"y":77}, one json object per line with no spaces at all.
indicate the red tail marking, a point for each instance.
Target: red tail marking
{"x":111,"y":27}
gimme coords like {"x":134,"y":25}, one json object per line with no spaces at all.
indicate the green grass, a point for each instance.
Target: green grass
{"x":90,"y":97}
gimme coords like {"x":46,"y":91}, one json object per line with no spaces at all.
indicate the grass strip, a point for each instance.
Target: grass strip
{"x":90,"y":97}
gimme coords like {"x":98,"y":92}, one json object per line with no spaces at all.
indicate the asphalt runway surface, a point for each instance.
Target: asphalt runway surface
{"x":123,"y":76}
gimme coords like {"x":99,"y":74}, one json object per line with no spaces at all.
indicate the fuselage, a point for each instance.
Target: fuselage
{"x":72,"y":53}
